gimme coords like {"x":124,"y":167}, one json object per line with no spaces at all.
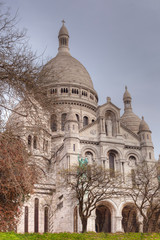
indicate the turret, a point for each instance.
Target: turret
{"x":71,"y":137}
{"x":146,"y":140}
{"x":71,"y":125}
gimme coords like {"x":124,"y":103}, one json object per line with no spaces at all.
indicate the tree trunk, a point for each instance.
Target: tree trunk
{"x":145,"y":226}
{"x":84,"y":225}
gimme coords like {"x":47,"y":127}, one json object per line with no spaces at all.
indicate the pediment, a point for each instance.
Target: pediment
{"x":108,"y":106}
{"x":128,"y":135}
{"x":90,"y":132}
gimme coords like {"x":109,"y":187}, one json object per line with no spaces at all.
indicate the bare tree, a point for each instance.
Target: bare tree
{"x":19,"y":67}
{"x":19,"y":71}
{"x":17,"y":177}
{"x":89,"y":184}
{"x":145,"y":193}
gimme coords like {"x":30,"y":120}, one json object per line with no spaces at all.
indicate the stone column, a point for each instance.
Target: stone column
{"x":91,"y":223}
{"x":119,"y":224}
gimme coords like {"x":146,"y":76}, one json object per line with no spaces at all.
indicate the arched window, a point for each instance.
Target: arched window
{"x":77,"y":116}
{"x":46,"y":213}
{"x":111,"y":164}
{"x":53,"y":123}
{"x":35,"y":142}
{"x":75,"y":216}
{"x":26,"y":219}
{"x":63,"y":119}
{"x":85,"y":121}
{"x":29,"y":140}
{"x":36,"y":215}
{"x":132,"y":161}
{"x":89,"y":156}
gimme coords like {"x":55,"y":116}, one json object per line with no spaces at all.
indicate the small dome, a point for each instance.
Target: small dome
{"x":126,"y":95}
{"x":63,"y":30}
{"x":131,"y":121}
{"x":143,"y":126}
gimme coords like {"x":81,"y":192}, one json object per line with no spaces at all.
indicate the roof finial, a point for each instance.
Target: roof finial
{"x":126,"y":88}
{"x":63,"y":21}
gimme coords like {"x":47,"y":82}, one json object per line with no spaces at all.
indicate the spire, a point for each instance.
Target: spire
{"x":63,"y":37}
{"x":127,"y":100}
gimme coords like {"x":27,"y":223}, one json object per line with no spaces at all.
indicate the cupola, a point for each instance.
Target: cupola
{"x":129,"y":118}
{"x":63,"y":37}
{"x":143,"y":126}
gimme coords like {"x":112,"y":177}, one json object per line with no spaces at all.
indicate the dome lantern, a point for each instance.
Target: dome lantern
{"x":127,"y":100}
{"x":63,"y":37}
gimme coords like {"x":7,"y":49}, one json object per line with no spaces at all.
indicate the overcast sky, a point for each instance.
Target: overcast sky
{"x":118,"y":41}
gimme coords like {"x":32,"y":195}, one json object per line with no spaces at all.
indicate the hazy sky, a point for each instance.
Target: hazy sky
{"x":118,"y":41}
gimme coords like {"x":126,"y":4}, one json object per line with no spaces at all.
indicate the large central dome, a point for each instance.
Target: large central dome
{"x":64,"y":69}
{"x":65,"y":79}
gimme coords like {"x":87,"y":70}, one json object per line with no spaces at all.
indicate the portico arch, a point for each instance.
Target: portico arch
{"x":129,"y":218}
{"x":105,"y":213}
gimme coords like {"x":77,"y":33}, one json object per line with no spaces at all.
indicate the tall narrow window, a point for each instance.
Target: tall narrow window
{"x":111,"y":164}
{"x":36,"y":215}
{"x":46,"y":213}
{"x":63,"y":119}
{"x":29,"y":141}
{"x":85,"y":121}
{"x":75,"y":215}
{"x":35,"y":142}
{"x":26,"y":219}
{"x":53,"y":123}
{"x":150,"y":156}
{"x":77,"y":116}
{"x":74,"y":147}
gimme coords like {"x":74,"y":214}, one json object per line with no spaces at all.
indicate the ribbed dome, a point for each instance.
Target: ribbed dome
{"x":64,"y":69}
{"x":131,"y":121}
{"x":143,"y":126}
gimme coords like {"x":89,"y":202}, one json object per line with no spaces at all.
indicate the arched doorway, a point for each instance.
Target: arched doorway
{"x":129,"y":219}
{"x":103,"y":219}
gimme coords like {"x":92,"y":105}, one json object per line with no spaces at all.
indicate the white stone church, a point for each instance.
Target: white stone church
{"x":78,"y":126}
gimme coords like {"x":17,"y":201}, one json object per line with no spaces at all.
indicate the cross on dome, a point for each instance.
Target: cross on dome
{"x":63,"y":21}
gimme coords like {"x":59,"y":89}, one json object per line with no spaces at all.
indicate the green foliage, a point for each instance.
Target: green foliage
{"x":80,"y":236}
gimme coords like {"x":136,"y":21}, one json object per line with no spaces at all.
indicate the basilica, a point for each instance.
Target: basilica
{"x":77,"y":126}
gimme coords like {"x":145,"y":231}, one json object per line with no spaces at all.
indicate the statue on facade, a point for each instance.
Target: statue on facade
{"x":109,"y":127}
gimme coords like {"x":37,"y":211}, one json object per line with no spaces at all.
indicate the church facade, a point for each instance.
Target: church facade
{"x":77,"y":126}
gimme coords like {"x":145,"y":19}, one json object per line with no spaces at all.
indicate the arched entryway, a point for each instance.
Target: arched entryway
{"x":103,"y":219}
{"x":129,"y":219}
